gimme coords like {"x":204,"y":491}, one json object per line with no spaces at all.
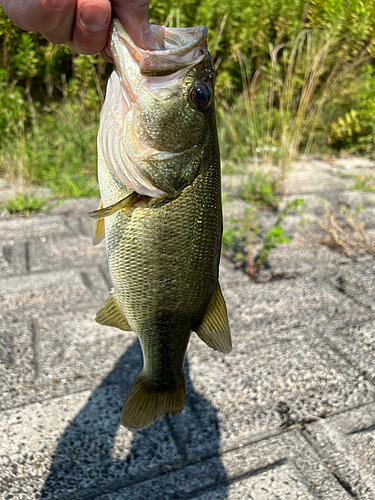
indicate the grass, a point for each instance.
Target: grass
{"x":57,"y":150}
{"x":364,"y":183}
{"x":23,"y":204}
{"x":344,"y":234}
{"x":282,"y":109}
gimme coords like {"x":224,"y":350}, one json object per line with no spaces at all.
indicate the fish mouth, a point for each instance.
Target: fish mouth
{"x":176,"y":48}
{"x":141,"y":76}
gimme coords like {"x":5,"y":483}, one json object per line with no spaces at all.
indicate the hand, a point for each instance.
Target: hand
{"x":82,"y":24}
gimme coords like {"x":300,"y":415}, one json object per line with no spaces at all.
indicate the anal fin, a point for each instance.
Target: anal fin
{"x":214,"y":329}
{"x":111,"y":315}
{"x":98,"y":232}
{"x":144,"y":404}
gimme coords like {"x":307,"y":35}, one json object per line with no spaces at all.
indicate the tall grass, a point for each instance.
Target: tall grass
{"x":285,"y":106}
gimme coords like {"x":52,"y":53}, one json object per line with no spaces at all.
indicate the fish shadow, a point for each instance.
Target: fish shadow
{"x":96,"y":455}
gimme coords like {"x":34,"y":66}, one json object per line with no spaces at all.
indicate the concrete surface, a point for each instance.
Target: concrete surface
{"x":289,"y":414}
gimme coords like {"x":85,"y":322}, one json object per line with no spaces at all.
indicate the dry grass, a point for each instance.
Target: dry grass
{"x":344,"y":233}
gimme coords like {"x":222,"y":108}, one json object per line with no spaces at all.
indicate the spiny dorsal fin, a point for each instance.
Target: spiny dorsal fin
{"x":125,"y":202}
{"x":111,"y":315}
{"x":144,"y":405}
{"x":214,"y":329}
{"x":98,"y":232}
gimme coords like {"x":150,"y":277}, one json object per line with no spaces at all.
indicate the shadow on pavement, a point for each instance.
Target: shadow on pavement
{"x":95,"y":455}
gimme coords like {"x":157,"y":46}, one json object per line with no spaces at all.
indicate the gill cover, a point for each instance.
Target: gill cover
{"x":148,"y":92}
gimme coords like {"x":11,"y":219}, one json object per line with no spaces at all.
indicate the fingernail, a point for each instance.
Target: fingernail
{"x":93,"y":18}
{"x":148,"y":39}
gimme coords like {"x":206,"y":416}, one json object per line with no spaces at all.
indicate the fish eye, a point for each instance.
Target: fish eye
{"x":200,"y":96}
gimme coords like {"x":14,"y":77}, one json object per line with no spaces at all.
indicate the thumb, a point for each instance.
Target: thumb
{"x":132,"y":14}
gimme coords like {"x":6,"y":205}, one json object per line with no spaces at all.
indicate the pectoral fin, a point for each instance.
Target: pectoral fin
{"x":111,"y":315}
{"x":214,"y":329}
{"x":105,"y":212}
{"x":98,"y":232}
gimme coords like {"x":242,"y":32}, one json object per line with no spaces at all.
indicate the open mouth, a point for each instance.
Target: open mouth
{"x":176,"y":48}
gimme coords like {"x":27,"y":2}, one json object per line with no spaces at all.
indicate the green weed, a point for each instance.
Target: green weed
{"x":239,"y":237}
{"x":58,"y":151}
{"x":260,"y":188}
{"x":364,"y":182}
{"x":273,"y":237}
{"x":23,"y":204}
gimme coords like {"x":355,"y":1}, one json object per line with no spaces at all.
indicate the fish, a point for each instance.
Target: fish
{"x":160,"y":210}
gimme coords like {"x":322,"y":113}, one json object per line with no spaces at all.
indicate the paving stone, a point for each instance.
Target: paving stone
{"x":235,"y":209}
{"x":267,"y":383}
{"x":355,"y":165}
{"x":353,"y":338}
{"x":283,"y":467}
{"x":59,"y":291}
{"x":262,"y":307}
{"x":74,"y":345}
{"x":22,"y":395}
{"x":70,"y":443}
{"x":47,"y":254}
{"x":12,"y":258}
{"x":292,"y":259}
{"x":17,"y":365}
{"x":312,"y":176}
{"x":63,"y":378}
{"x":313,"y":204}
{"x":358,"y":281}
{"x":346,"y":443}
{"x":39,"y":226}
{"x":77,"y":206}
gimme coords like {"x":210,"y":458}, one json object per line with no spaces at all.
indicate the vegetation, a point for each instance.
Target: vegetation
{"x":23,"y":204}
{"x":344,"y":233}
{"x":292,"y":77}
{"x":241,"y":237}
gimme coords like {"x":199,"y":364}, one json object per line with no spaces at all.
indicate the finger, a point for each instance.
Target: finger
{"x":91,"y":26}
{"x":38,"y":15}
{"x":63,"y":32}
{"x":132,"y":14}
{"x":106,"y":54}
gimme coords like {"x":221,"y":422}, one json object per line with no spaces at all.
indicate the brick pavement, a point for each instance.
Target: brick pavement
{"x":289,"y":414}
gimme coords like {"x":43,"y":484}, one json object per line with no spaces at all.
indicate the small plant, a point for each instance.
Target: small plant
{"x":239,"y":238}
{"x":347,"y":236}
{"x":365,"y":183}
{"x":260,"y":188}
{"x":23,"y":204}
{"x":273,"y":237}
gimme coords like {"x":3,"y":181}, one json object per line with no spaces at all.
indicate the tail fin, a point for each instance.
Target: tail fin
{"x":143,"y":405}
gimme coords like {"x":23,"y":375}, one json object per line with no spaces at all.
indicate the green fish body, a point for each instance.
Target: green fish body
{"x":164,"y":237}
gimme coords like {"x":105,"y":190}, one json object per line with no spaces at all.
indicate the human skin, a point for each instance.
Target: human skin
{"x":82,"y":24}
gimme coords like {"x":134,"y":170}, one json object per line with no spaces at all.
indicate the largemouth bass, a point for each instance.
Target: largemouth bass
{"x":159,"y":178}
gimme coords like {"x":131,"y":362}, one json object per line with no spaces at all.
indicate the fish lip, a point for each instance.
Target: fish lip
{"x":166,"y":61}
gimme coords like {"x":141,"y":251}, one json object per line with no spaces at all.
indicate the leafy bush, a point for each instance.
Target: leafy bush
{"x":355,"y":127}
{"x":275,"y":63}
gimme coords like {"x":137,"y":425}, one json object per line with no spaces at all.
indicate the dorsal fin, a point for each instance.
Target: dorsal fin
{"x":98,"y":231}
{"x":214,"y":329}
{"x":111,"y":315}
